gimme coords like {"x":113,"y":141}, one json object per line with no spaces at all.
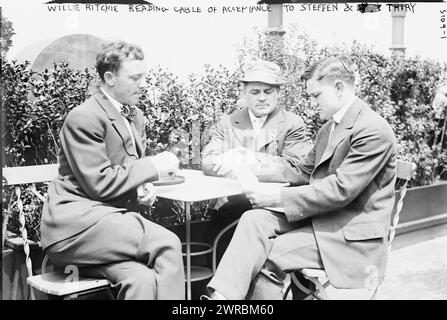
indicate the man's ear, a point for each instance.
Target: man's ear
{"x":340,"y":87}
{"x":109,"y":78}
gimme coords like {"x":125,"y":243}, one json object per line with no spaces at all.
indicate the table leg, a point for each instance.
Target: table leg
{"x":188,"y":250}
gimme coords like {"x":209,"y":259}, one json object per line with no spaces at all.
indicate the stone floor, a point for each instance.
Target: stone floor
{"x":415,"y":272}
{"x":418,"y":272}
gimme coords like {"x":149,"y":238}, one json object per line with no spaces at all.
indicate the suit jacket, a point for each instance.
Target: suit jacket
{"x":349,"y":197}
{"x":279,"y":146}
{"x":100,"y":169}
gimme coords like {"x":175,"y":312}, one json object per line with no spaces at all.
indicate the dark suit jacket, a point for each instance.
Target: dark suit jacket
{"x":100,"y":169}
{"x":350,"y":196}
{"x":279,"y":147}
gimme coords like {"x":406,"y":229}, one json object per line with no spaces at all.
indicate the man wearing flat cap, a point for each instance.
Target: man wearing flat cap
{"x":266,"y":138}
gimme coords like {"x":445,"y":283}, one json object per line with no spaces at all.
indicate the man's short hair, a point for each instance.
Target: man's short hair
{"x":113,"y":54}
{"x":338,"y":67}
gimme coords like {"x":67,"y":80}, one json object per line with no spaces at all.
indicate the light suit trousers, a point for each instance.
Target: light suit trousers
{"x":264,"y":248}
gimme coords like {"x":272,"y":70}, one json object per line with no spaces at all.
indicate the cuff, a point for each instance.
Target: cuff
{"x":292,"y":211}
{"x":155,"y":162}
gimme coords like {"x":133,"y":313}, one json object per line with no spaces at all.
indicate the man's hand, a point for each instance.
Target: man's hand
{"x":167,"y":164}
{"x":146,"y":194}
{"x":220,"y":166}
{"x":247,"y":158}
{"x":226,"y":162}
{"x":264,"y":196}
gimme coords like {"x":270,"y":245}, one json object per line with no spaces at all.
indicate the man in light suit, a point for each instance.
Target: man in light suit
{"x":269,"y":139}
{"x":347,"y":202}
{"x":87,"y":220}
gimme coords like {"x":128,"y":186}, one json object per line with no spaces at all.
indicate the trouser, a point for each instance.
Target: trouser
{"x":142,"y":259}
{"x":264,"y":248}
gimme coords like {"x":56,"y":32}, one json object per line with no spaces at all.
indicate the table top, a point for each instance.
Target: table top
{"x":199,"y":187}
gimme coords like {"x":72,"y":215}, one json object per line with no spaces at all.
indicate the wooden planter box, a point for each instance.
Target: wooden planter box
{"x":423,"y":216}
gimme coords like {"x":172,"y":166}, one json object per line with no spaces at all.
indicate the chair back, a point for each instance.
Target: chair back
{"x":405,"y":172}
{"x":29,"y":174}
{"x":16,"y":176}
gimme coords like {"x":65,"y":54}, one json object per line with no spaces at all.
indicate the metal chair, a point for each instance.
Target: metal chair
{"x":66,"y":284}
{"x":405,"y":171}
{"x":318,"y":277}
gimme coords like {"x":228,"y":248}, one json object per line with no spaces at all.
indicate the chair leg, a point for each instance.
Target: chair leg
{"x":299,"y":288}
{"x":31,"y":295}
{"x":316,"y":291}
{"x":320,"y":293}
{"x":15,"y":284}
{"x":374,"y":295}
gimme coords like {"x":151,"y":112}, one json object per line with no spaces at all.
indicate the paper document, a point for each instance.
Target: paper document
{"x":247,"y":179}
{"x":250,"y":182}
{"x":277,"y":209}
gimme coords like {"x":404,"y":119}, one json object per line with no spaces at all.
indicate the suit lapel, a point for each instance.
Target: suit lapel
{"x":117,"y":122}
{"x":137,"y":136}
{"x":340,"y":132}
{"x":322,"y":141}
{"x":270,"y":130}
{"x":242,"y":128}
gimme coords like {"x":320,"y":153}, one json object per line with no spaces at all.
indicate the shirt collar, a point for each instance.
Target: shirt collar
{"x":341,"y":112}
{"x":255,"y":119}
{"x":114,"y":102}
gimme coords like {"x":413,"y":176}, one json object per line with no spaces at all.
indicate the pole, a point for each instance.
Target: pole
{"x":273,"y":48}
{"x":397,"y":41}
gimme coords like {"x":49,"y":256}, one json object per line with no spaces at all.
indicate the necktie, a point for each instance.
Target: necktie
{"x":333,"y":126}
{"x":128,"y":112}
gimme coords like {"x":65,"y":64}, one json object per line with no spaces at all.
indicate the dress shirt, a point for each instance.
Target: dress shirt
{"x":336,"y":118}
{"x":256,"y":122}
